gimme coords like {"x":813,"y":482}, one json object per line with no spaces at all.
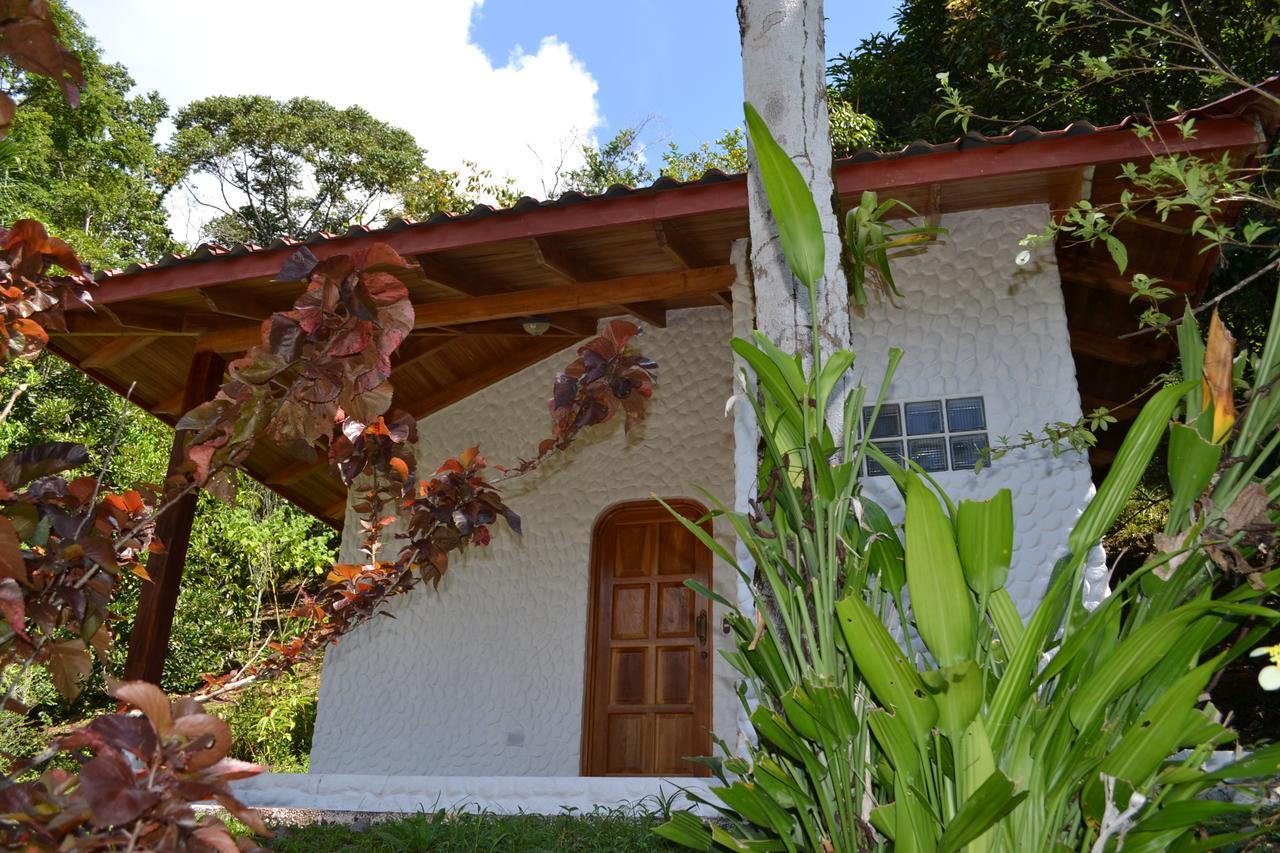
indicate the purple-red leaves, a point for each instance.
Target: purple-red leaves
{"x":138,"y":777}
{"x":325,"y":362}
{"x":604,"y":378}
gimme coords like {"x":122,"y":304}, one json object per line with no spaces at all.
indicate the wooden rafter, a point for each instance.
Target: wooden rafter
{"x":222,"y":301}
{"x":549,"y":255}
{"x":1115,"y":350}
{"x":116,"y":351}
{"x":444,"y":273}
{"x":674,"y":246}
{"x":296,"y":471}
{"x":537,"y":350}
{"x":573,"y":297}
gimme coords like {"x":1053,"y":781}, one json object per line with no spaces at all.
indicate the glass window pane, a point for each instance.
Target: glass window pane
{"x":929,"y":453}
{"x":892,"y":449}
{"x":966,"y":413}
{"x":966,"y":449}
{"x":924,"y":418}
{"x":887,"y":424}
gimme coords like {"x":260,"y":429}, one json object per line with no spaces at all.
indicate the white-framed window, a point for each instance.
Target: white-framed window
{"x":938,"y":435}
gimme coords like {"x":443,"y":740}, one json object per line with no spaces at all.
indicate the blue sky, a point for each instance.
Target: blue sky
{"x":515,"y":86}
{"x":678,"y":60}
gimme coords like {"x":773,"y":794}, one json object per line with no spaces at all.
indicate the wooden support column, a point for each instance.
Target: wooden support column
{"x":149,"y":641}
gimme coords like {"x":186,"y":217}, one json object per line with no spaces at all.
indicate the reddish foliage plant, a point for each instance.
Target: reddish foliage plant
{"x":30,"y":300}
{"x":455,"y":508}
{"x":62,"y":547}
{"x":606,"y":377}
{"x":29,"y":38}
{"x":138,"y":775}
{"x":322,"y":371}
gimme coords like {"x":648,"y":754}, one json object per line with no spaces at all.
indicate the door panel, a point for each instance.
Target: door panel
{"x":648,"y":686}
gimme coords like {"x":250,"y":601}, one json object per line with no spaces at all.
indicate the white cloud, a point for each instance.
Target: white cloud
{"x":409,"y":62}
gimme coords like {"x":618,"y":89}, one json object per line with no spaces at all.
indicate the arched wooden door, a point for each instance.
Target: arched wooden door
{"x":648,"y":680}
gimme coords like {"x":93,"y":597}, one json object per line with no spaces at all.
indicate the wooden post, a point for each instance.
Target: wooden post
{"x":149,"y":641}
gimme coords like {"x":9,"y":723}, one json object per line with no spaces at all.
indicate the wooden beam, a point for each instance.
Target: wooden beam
{"x":116,"y":351}
{"x":730,"y":196}
{"x":536,"y":351}
{"x":296,"y":471}
{"x":574,"y":297}
{"x":232,"y":340}
{"x":674,"y":245}
{"x":149,"y":641}
{"x":336,"y":510}
{"x":223,"y":301}
{"x":101,"y":325}
{"x":1115,"y":350}
{"x":171,"y":405}
{"x":651,"y":312}
{"x":1118,"y":409}
{"x":414,"y":352}
{"x":442,"y":272}
{"x":1080,"y":189}
{"x":1077,"y":267}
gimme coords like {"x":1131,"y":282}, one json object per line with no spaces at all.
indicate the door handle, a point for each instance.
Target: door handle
{"x":701,"y":627}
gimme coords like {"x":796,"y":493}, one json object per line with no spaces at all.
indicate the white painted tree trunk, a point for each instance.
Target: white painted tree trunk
{"x":784,"y":78}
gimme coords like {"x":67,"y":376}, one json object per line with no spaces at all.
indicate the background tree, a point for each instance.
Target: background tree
{"x":271,"y":168}
{"x":1012,"y":70}
{"x":88,"y":172}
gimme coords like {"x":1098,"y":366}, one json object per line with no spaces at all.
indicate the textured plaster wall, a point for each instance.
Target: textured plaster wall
{"x":485,"y":676}
{"x":973,"y":322}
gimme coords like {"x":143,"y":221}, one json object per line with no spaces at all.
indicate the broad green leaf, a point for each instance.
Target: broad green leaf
{"x":984,"y":534}
{"x":957,"y":691}
{"x":799,"y":226}
{"x":686,"y":830}
{"x":1192,"y":460}
{"x":1141,"y":651}
{"x":940,"y":599}
{"x":1158,"y":733}
{"x":1008,"y":622}
{"x":1191,"y":355}
{"x":885,"y":554}
{"x":1262,"y":763}
{"x":895,"y":682}
{"x":991,"y":802}
{"x":1127,"y":468}
{"x":1188,"y":813}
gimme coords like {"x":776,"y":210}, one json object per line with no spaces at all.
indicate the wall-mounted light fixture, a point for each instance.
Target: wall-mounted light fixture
{"x":537,"y":325}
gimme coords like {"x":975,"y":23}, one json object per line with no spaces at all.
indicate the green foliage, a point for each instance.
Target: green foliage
{"x":618,"y":161}
{"x":88,"y":173}
{"x":1079,"y":728}
{"x":625,"y":830}
{"x":1010,"y":69}
{"x":850,"y":130}
{"x":274,"y":721}
{"x":287,"y":168}
{"x":728,"y":154}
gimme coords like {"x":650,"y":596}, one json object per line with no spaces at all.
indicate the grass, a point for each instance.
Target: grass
{"x":624,"y":831}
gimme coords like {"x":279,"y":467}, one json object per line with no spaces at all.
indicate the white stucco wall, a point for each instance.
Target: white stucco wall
{"x":972,"y":322}
{"x":485,"y":676}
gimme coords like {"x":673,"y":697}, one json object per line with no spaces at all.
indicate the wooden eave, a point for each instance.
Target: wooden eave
{"x":640,"y":252}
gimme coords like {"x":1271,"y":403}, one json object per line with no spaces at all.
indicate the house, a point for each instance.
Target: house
{"x":548,"y":662}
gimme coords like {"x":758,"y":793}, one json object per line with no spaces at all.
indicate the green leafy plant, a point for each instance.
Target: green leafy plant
{"x":938,"y":718}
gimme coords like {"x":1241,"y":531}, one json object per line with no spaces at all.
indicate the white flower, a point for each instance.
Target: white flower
{"x":1023,"y":258}
{"x":1269,"y":678}
{"x":729,"y":404}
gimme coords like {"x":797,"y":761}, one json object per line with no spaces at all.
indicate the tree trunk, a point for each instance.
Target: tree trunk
{"x":784,"y":78}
